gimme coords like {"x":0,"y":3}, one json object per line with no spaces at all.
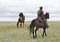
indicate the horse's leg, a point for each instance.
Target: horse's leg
{"x":20,"y":24}
{"x":36,"y":32}
{"x":17,"y":24}
{"x":33,"y":32}
{"x":23,"y":24}
{"x":44,"y":32}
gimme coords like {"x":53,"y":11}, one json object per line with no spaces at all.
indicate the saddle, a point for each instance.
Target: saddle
{"x":40,"y":19}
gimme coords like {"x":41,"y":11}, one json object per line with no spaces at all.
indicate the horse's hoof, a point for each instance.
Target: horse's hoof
{"x":45,"y":35}
{"x":34,"y":36}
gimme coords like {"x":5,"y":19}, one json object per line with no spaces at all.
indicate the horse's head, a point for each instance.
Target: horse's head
{"x":47,"y":15}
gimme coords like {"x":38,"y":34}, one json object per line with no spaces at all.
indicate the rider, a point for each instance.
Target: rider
{"x":21,"y":16}
{"x":40,"y":14}
{"x":40,"y":17}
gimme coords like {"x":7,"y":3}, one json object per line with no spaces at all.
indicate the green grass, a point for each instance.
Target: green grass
{"x":10,"y":33}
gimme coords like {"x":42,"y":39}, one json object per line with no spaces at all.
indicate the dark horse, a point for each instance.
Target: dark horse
{"x":21,"y":20}
{"x":36,"y":23}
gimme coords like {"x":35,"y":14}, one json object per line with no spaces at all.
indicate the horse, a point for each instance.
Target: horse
{"x":21,"y":20}
{"x":38,"y":24}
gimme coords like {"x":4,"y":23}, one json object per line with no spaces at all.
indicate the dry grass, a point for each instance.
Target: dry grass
{"x":10,"y":33}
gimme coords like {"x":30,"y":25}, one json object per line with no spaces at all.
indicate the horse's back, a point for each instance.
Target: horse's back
{"x":20,"y":19}
{"x":38,"y":23}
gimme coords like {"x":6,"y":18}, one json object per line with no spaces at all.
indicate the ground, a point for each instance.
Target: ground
{"x":10,"y":33}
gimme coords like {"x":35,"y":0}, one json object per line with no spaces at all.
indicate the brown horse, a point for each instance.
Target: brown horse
{"x":38,"y":24}
{"x":21,"y":20}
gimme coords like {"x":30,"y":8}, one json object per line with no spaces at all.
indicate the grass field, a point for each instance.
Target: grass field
{"x":10,"y":33}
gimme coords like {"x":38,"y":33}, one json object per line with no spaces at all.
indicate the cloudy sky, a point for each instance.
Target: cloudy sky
{"x":11,"y":8}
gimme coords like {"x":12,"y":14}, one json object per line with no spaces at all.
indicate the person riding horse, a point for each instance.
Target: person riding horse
{"x":40,"y":17}
{"x":21,"y":15}
{"x":21,"y":20}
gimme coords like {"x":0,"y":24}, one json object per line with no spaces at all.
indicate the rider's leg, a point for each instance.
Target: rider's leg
{"x":39,"y":18}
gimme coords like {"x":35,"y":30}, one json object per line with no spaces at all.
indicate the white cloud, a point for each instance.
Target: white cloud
{"x":28,"y":6}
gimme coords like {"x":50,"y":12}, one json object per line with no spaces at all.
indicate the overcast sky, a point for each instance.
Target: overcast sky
{"x":11,"y":8}
{"x":28,"y":6}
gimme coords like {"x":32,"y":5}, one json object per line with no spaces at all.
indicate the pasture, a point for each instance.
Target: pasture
{"x":10,"y":33}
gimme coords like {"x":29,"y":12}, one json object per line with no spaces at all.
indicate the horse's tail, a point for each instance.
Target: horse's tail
{"x":31,"y":26}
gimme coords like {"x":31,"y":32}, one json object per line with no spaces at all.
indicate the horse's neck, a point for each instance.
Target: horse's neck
{"x":46,"y":19}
